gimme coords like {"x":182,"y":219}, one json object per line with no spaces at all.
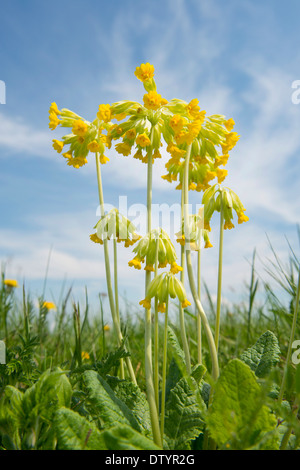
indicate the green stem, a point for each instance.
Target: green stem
{"x":181,"y":310}
{"x":218,"y":312}
{"x":199,"y":334}
{"x":122,"y":373}
{"x":292,"y":335}
{"x":201,"y":312}
{"x":148,"y":334}
{"x":156,"y":333}
{"x":164,"y":371}
{"x":108,"y":274}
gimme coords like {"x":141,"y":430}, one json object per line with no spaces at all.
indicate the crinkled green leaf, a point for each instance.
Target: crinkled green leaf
{"x":109,"y":408}
{"x":125,"y":438}
{"x":238,"y":417}
{"x":74,"y":432}
{"x":184,"y":415}
{"x":132,"y":396}
{"x":263,"y":355}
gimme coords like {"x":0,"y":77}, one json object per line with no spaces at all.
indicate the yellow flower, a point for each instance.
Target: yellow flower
{"x":54,"y":109}
{"x":193,"y":109}
{"x":79,"y":127}
{"x":152,"y":100}
{"x":149,"y":267}
{"x":161,"y":307}
{"x":175,"y":268}
{"x":11,"y":283}
{"x":136,"y":263}
{"x":85,"y":355}
{"x":176,"y":122}
{"x":131,"y":134}
{"x":208,"y":244}
{"x":242,"y":217}
{"x":221,"y":174}
{"x":144,"y":72}
{"x":94,"y":238}
{"x":228,"y":225}
{"x":94,"y":146}
{"x":103,"y":159}
{"x":106,"y":328}
{"x":57,"y":145}
{"x":143,"y":140}
{"x":53,"y":121}
{"x":49,"y":305}
{"x":185,"y":303}
{"x":146,"y":303}
{"x":229,"y":124}
{"x":123,"y":148}
{"x":104,"y":113}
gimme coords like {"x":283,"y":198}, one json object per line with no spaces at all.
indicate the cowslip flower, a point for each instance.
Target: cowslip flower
{"x":104,"y":113}
{"x":152,"y":100}
{"x":144,"y":72}
{"x":115,"y":225}
{"x":162,"y":287}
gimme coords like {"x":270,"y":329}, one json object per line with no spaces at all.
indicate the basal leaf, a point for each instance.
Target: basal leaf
{"x":263,"y":355}
{"x":74,"y":432}
{"x":238,"y":418}
{"x":109,"y":408}
{"x":184,"y":415}
{"x":125,"y":438}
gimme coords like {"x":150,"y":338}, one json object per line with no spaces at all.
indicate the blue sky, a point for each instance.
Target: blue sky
{"x":238,"y":58}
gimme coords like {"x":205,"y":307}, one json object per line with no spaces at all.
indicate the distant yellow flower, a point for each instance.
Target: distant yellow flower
{"x":79,"y":127}
{"x":104,"y":113}
{"x":11,"y":283}
{"x":94,"y":238}
{"x":49,"y":305}
{"x":221,"y":174}
{"x":136,"y":263}
{"x":144,"y":72}
{"x":106,"y":328}
{"x":143,"y":140}
{"x":152,"y":100}
{"x":149,"y":267}
{"x":85,"y":355}
{"x":161,"y":307}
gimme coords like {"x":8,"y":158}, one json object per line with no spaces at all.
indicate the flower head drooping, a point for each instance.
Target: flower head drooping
{"x":212,"y":199}
{"x":163,"y":286}
{"x":145,"y":251}
{"x":114,"y":225}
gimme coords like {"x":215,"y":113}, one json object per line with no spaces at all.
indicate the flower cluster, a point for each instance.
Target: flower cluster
{"x":156,"y":242}
{"x":194,"y":231}
{"x":212,"y":200}
{"x":163,"y":286}
{"x":115,"y":225}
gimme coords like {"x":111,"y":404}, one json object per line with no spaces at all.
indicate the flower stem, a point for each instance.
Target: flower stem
{"x":199,"y":333}
{"x":292,"y":335}
{"x":108,"y":274}
{"x":117,"y":298}
{"x":209,"y":336}
{"x":164,"y":371}
{"x":181,"y":310}
{"x":148,"y":335}
{"x":156,"y":332}
{"x":218,"y":312}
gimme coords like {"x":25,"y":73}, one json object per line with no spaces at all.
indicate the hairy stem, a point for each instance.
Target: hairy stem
{"x":108,"y":273}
